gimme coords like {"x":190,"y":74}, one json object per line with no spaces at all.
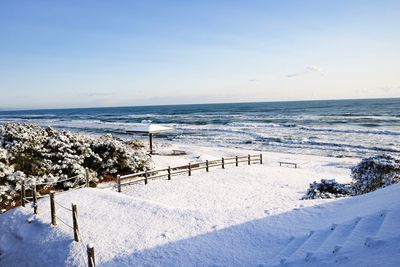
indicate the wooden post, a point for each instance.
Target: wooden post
{"x":248,"y":159}
{"x":34,"y":198}
{"x":87,"y":177}
{"x":119,"y":182}
{"x":169,"y":172}
{"x":261,"y":159}
{"x":90,"y":255}
{"x":190,"y":169}
{"x":75,"y":222}
{"x":237,"y":161}
{"x":23,"y":194}
{"x":223,"y":163}
{"x":280,"y":163}
{"x":52,"y":208}
{"x":151,"y":142}
{"x":207,"y":165}
{"x":145,"y":177}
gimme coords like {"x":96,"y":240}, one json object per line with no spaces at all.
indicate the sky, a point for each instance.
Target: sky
{"x":59,"y":54}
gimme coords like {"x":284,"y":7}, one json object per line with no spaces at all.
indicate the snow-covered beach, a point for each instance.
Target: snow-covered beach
{"x":237,"y":216}
{"x":199,"y":133}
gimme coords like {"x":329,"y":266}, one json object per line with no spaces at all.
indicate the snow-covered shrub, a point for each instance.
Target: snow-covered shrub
{"x":135,"y":144}
{"x":41,"y":155}
{"x":375,"y":172}
{"x":327,"y":189}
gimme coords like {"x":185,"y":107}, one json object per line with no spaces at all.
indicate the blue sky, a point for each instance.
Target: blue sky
{"x":118,"y":53}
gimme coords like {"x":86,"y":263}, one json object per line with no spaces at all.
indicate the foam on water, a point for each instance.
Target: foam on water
{"x":345,"y":127}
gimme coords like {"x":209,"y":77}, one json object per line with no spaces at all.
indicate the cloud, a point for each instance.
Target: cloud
{"x":388,"y":89}
{"x":307,"y":70}
{"x":382,"y":89}
{"x":253,"y":80}
{"x":99,"y":94}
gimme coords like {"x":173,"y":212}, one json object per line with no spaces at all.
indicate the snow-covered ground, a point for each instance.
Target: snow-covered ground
{"x":239,"y":216}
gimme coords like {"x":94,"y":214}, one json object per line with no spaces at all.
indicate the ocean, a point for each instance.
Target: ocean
{"x":331,"y":128}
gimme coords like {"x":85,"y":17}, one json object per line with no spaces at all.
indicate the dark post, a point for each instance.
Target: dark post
{"x":119,"y":182}
{"x":87,"y":177}
{"x":34,"y":198}
{"x":23,"y":194}
{"x":90,"y":255}
{"x":261,"y":159}
{"x":237,"y":161}
{"x":223,"y":163}
{"x":52,"y":209}
{"x":75,"y":222}
{"x":190,"y":169}
{"x":169,"y":172}
{"x":145,"y":177}
{"x":151,"y":142}
{"x":248,"y":159}
{"x":207,"y":165}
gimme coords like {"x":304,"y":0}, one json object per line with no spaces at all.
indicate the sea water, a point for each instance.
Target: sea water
{"x":331,"y":127}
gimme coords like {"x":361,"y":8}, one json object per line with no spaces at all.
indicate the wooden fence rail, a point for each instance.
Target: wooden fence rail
{"x":145,"y":176}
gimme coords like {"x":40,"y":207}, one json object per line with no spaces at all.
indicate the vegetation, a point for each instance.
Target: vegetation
{"x":34,"y":154}
{"x":370,"y":174}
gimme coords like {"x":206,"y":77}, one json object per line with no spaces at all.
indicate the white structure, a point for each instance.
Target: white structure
{"x":150,"y":129}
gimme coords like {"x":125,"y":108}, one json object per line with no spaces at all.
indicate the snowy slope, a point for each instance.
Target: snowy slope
{"x":246,"y":216}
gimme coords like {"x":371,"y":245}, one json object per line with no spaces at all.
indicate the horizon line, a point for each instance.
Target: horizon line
{"x":191,"y":104}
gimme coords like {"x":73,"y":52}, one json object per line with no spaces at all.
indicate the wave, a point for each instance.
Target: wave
{"x":357,"y":131}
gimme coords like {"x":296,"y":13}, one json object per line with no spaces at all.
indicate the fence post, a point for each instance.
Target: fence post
{"x":190,"y":169}
{"x":52,"y":208}
{"x":261,"y":159}
{"x":145,"y":177}
{"x":23,"y":193}
{"x":87,"y":177}
{"x":223,"y":163}
{"x":119,"y":182}
{"x":207,"y":165}
{"x":75,"y":222}
{"x":90,"y":255}
{"x":237,"y":161}
{"x":248,"y":159}
{"x":169,"y":172}
{"x":34,"y":199}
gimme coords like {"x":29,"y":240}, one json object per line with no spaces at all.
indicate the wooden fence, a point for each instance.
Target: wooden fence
{"x":56,"y":208}
{"x":168,"y":172}
{"x":122,"y":181}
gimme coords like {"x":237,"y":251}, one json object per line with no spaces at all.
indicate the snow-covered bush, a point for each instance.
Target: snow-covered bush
{"x":327,"y":189}
{"x":370,"y":174}
{"x":40,"y":155}
{"x":375,"y":172}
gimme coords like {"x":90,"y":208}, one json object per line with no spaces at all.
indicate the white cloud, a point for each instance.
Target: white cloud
{"x":307,"y":70}
{"x":99,"y":94}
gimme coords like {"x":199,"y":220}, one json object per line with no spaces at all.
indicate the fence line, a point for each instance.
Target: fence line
{"x":170,"y":171}
{"x":148,"y":175}
{"x":75,"y":228}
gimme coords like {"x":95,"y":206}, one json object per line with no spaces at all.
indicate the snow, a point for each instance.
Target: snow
{"x":239,"y":216}
{"x":149,"y":128}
